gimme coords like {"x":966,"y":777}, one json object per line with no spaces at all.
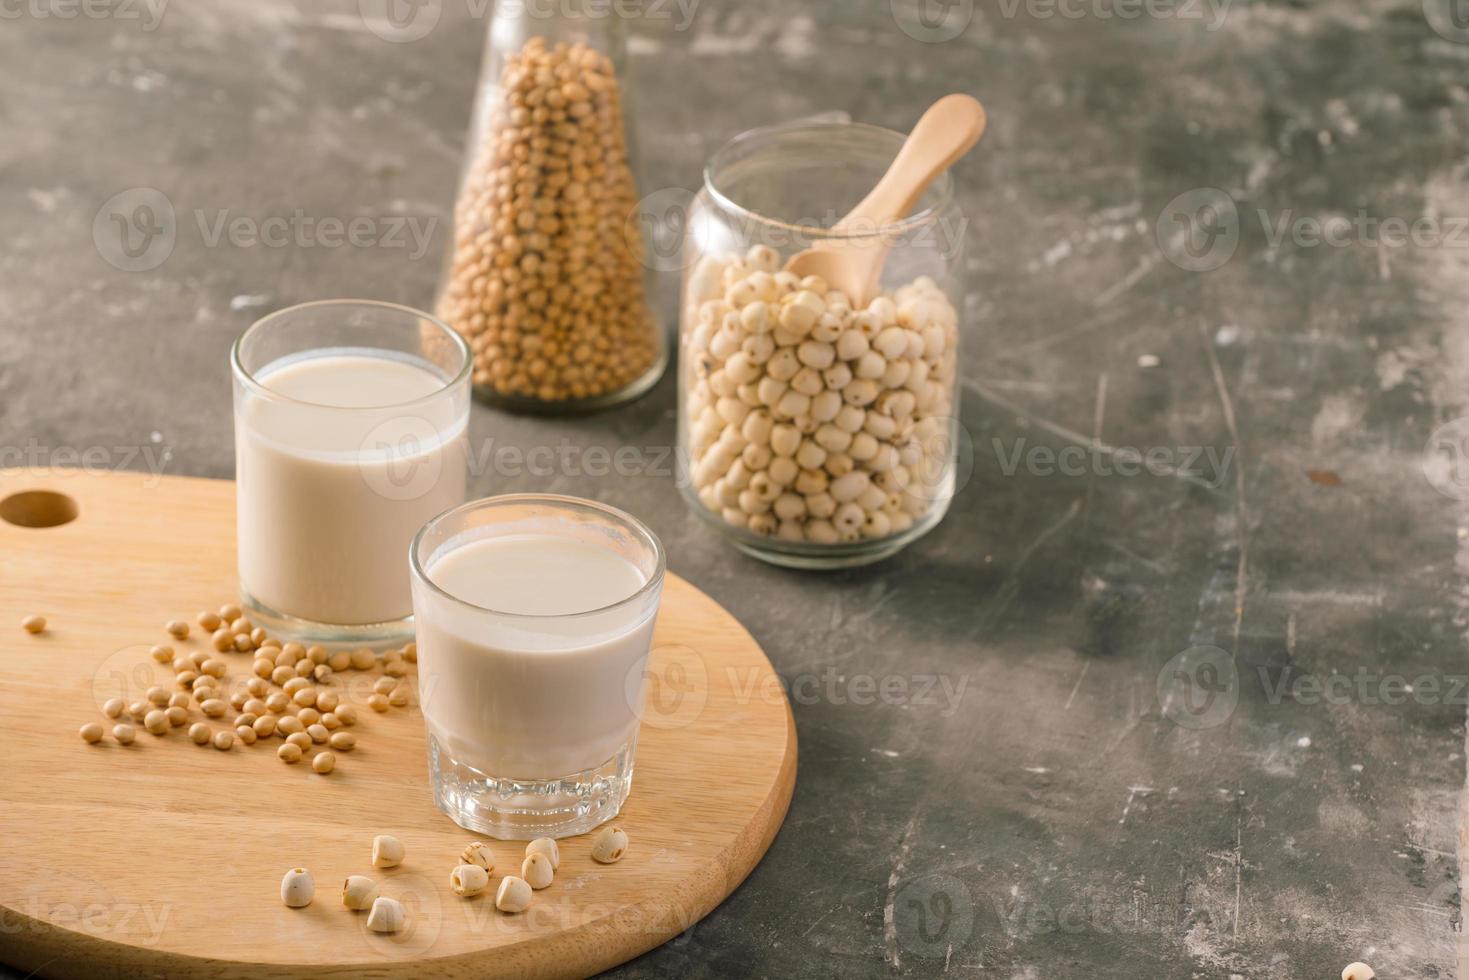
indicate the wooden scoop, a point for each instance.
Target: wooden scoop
{"x":946,"y":131}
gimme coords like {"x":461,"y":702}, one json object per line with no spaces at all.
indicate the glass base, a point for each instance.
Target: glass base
{"x":811,"y":556}
{"x":524,"y":809}
{"x":393,"y":633}
{"x":523,"y":405}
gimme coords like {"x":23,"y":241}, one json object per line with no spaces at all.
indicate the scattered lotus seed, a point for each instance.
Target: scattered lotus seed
{"x":156,"y":721}
{"x":177,"y":628}
{"x":478,"y":853}
{"x":162,"y":654}
{"x":208,"y":621}
{"x":124,"y":734}
{"x":537,"y":871}
{"x":113,"y":707}
{"x":298,"y":888}
{"x":386,"y":915}
{"x":377,"y":703}
{"x":610,"y":845}
{"x":91,"y":732}
{"x":548,"y":847}
{"x":1358,"y":971}
{"x":343,"y":741}
{"x":176,"y":715}
{"x":387,"y":851}
{"x":469,"y":879}
{"x":224,"y":741}
{"x":513,"y":896}
{"x":289,"y":753}
{"x":358,"y":892}
{"x":324,"y":762}
{"x":33,"y":624}
{"x":199,"y":732}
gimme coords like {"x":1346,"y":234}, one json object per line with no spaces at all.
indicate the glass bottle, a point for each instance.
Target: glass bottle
{"x":545,"y":275}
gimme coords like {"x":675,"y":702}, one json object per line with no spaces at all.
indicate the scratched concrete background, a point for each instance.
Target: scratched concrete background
{"x":1152,"y":724}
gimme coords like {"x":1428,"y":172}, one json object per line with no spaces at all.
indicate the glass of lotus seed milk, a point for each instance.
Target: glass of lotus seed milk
{"x":535,"y":621}
{"x":350,"y":433}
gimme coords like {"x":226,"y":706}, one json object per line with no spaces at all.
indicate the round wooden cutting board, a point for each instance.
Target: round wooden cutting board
{"x":164,"y":858}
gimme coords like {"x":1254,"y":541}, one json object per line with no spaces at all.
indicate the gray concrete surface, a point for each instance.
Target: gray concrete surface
{"x":1090,"y":800}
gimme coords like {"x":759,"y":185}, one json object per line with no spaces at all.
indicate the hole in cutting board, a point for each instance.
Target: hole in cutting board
{"x":38,"y":508}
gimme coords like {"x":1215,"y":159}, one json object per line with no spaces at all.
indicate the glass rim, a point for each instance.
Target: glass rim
{"x":248,"y":379}
{"x":944,"y":183}
{"x":655,"y":580}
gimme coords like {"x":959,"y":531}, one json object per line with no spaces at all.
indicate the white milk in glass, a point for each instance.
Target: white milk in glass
{"x":533,"y":698}
{"x":339,"y":462}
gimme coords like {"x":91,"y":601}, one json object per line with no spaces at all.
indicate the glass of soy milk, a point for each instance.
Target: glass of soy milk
{"x":535,"y":621}
{"x":351,"y":424}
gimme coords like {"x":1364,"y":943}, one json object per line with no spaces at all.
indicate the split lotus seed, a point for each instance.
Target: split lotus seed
{"x":387,"y":851}
{"x":468,"y":879}
{"x":537,"y":871}
{"x":514,"y":895}
{"x":358,"y":892}
{"x":298,"y":888}
{"x":479,"y":854}
{"x":387,"y":915}
{"x":609,"y":845}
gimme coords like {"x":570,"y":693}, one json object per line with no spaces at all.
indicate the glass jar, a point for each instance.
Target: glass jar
{"x":817,"y":433}
{"x":545,"y":275}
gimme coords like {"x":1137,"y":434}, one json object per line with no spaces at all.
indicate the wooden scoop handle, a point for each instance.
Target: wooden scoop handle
{"x":947,"y":131}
